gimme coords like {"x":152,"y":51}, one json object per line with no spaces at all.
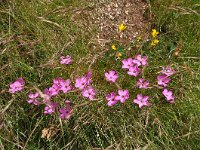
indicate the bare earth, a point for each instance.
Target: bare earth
{"x":106,"y":15}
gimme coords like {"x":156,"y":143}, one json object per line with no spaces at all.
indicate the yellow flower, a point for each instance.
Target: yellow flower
{"x":118,"y":55}
{"x":122,"y":27}
{"x":114,"y":47}
{"x":154,"y":42}
{"x":154,"y":33}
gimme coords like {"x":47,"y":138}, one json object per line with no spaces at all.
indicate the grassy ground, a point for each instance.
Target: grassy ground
{"x":30,"y":46}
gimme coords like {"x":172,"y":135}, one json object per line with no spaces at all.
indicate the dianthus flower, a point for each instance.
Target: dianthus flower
{"x":33,"y":98}
{"x":136,"y":62}
{"x":17,"y":86}
{"x":66,"y":60}
{"x":141,"y":100}
{"x":122,"y":96}
{"x":142,"y":59}
{"x":54,"y":90}
{"x":168,"y":71}
{"x":142,"y":83}
{"x":65,"y":113}
{"x":169,"y":95}
{"x":65,"y":86}
{"x":163,"y":80}
{"x":111,"y":76}
{"x":58,"y":83}
{"x":134,"y":71}
{"x":127,"y":63}
{"x":89,"y":92}
{"x":83,"y":81}
{"x":111,"y":99}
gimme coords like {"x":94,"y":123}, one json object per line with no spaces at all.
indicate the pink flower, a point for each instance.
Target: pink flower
{"x":16,"y":86}
{"x":111,"y":99}
{"x":65,"y":113}
{"x":136,"y":62}
{"x":123,"y":96}
{"x":141,"y":101}
{"x":134,"y":71}
{"x":89,"y":92}
{"x":47,"y":92}
{"x":142,"y":60}
{"x":81,"y":82}
{"x":54,"y":90}
{"x":111,"y":76}
{"x":50,"y":108}
{"x":127,"y":63}
{"x":65,"y":86}
{"x":58,"y":85}
{"x":66,"y":60}
{"x":163,"y":80}
{"x":142,"y":83}
{"x":33,"y":98}
{"x":84,"y":81}
{"x":57,"y":81}
{"x":169,"y":95}
{"x":168,"y":71}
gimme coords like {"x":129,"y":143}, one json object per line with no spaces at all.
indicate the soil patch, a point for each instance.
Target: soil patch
{"x":106,"y":15}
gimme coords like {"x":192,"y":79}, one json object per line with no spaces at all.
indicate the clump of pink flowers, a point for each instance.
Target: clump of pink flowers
{"x":113,"y":98}
{"x":163,"y":80}
{"x":132,"y":65}
{"x":82,"y":85}
{"x":59,"y":85}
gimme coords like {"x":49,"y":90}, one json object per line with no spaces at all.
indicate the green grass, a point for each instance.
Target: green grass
{"x":30,"y":47}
